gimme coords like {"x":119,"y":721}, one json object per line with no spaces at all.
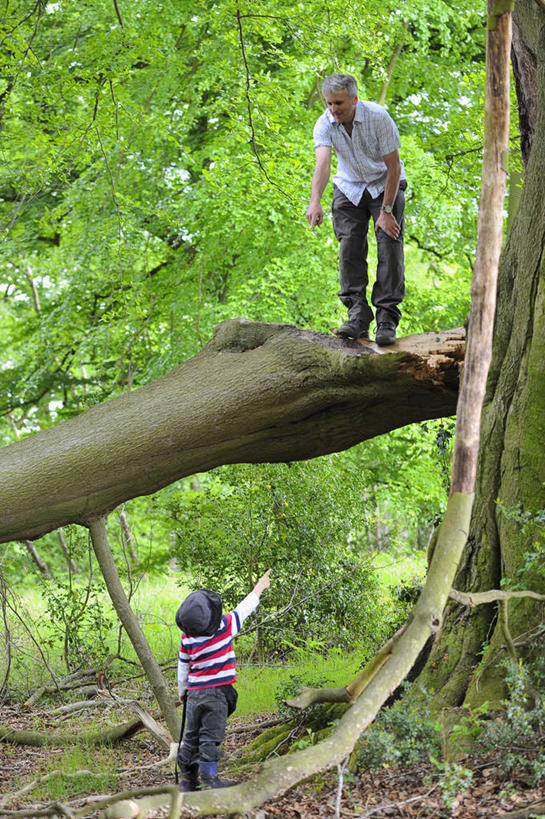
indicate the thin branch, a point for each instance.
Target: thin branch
{"x":392,"y":64}
{"x":504,"y":622}
{"x":118,"y":12}
{"x":473,"y":599}
{"x":253,"y":141}
{"x":7,"y":637}
{"x":341,"y":767}
{"x":112,"y":182}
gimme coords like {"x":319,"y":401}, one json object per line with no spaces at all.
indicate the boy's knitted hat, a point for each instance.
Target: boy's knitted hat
{"x":200,"y":613}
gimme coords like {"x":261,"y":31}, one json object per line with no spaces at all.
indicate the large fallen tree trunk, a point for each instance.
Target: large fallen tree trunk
{"x":255,"y":393}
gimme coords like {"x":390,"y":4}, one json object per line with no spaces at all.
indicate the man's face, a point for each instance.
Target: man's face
{"x":341,"y":106}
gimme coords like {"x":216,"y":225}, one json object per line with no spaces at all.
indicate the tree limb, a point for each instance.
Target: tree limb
{"x":97,"y":527}
{"x":473,"y":599}
{"x":255,"y":393}
{"x":311,"y":696}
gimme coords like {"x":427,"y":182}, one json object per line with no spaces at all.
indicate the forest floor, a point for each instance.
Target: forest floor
{"x":418,"y":791}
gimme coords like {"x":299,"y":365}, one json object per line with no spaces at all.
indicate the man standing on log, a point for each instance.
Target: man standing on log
{"x":370,"y":182}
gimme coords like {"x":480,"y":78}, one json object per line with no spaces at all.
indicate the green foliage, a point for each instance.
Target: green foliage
{"x":401,"y":734}
{"x":76,"y":615}
{"x":156,"y":168}
{"x":517,"y":737}
{"x":298,"y":519}
{"x":472,"y":725}
{"x":454,"y":779}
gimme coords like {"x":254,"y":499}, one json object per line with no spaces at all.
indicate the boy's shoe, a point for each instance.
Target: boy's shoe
{"x":386,"y":333}
{"x":189,"y":778}
{"x":210,"y":778}
{"x":353,"y":329}
{"x":187,"y":785}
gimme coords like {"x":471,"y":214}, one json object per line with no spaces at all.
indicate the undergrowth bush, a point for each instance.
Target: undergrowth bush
{"x":517,"y":737}
{"x":402,"y":734}
{"x":300,"y":520}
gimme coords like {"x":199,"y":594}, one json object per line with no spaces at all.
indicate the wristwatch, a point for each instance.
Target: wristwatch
{"x":387,"y":208}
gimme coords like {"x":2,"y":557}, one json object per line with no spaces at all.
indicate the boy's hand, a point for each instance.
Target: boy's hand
{"x":263,"y":583}
{"x":181,"y":699}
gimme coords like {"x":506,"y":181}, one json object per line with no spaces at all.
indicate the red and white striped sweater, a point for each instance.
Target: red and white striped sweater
{"x":205,"y":662}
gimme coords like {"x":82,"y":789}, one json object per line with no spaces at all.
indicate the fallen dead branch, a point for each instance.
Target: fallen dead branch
{"x":492,"y":596}
{"x":171,"y":792}
{"x":85,"y":705}
{"x":79,"y":679}
{"x":148,"y":722}
{"x":100,"y":736}
{"x":243,"y":729}
{"x":312,"y":696}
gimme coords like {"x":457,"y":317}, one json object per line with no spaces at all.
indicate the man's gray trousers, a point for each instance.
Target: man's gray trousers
{"x":350,"y":223}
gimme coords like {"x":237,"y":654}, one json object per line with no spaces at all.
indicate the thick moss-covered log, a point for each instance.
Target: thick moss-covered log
{"x":255,"y":393}
{"x":95,"y":736}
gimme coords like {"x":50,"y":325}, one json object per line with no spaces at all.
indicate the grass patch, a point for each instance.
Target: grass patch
{"x":77,"y":770}
{"x":406,"y":568}
{"x":257,"y":685}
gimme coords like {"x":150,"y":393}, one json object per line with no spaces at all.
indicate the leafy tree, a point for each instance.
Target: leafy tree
{"x":156,"y":166}
{"x":301,"y":519}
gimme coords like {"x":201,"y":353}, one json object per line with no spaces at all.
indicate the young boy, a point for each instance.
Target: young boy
{"x":207,"y":671}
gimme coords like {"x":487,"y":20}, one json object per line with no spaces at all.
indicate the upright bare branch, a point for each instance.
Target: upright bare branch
{"x":97,"y":527}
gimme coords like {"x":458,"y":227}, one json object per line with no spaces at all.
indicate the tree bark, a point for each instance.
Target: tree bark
{"x":37,"y":559}
{"x":255,"y":393}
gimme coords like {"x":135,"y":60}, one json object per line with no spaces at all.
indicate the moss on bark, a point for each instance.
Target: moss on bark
{"x":511,"y":476}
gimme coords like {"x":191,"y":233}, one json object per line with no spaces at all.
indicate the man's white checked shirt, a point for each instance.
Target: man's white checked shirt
{"x":359,"y":158}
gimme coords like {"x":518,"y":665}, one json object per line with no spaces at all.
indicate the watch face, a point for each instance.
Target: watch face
{"x":387,"y":208}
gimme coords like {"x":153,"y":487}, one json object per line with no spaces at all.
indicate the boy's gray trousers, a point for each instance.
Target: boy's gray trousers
{"x":206,"y":718}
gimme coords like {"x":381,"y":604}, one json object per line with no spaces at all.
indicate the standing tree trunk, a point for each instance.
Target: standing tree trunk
{"x":511,"y":477}
{"x":127,"y":534}
{"x":66,"y":552}
{"x":392,"y":64}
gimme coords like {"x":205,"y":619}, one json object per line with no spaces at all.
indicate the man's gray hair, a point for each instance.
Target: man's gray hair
{"x":340,"y":82}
